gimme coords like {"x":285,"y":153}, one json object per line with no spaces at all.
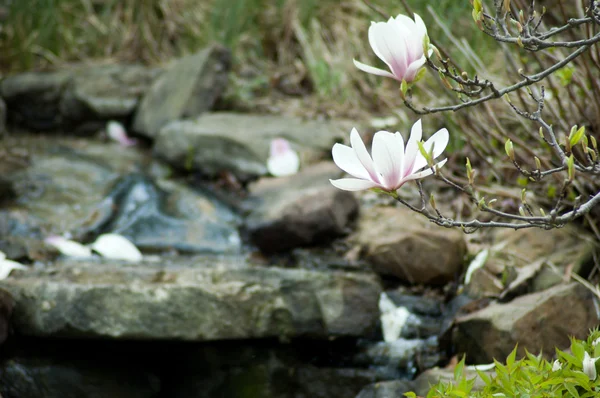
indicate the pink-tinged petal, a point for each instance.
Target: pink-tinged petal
{"x":353,"y":184}
{"x":387,"y":39}
{"x":116,"y":132}
{"x":345,"y":158}
{"x":283,"y":160}
{"x":413,"y":41}
{"x":68,"y":247}
{"x":413,"y":68}
{"x":424,"y":173}
{"x":412,"y":147}
{"x":388,"y":156}
{"x":363,"y":155}
{"x":372,"y":70}
{"x":439,"y":141}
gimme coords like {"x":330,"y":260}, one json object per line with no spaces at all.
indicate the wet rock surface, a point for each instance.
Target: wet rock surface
{"x":6,"y":307}
{"x":537,"y":321}
{"x":188,"y":88}
{"x":230,"y":301}
{"x":403,"y":244}
{"x":239,"y":143}
{"x":300,"y":210}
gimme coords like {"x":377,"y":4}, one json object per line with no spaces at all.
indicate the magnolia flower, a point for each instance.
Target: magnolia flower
{"x":399,"y":43}
{"x":391,"y":163}
{"x":589,"y":366}
{"x":6,"y":266}
{"x":283,"y":160}
{"x":116,"y":131}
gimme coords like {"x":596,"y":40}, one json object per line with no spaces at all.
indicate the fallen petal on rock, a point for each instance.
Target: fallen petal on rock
{"x":68,"y":247}
{"x":283,"y":160}
{"x":116,"y":247}
{"x":6,"y":266}
{"x":116,"y":131}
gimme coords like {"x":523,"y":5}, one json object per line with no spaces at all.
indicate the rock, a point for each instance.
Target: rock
{"x":6,"y":308}
{"x":403,"y":244}
{"x":164,"y":216}
{"x":299,"y":210}
{"x":2,"y":117}
{"x":400,"y":357}
{"x":197,"y":299}
{"x":420,"y":386}
{"x":33,"y":98}
{"x":105,"y":92}
{"x":88,"y":188}
{"x":75,"y":97}
{"x":50,"y":378}
{"x":239,"y":143}
{"x":537,"y":321}
{"x":188,"y":88}
{"x":259,"y":369}
{"x":520,"y":259}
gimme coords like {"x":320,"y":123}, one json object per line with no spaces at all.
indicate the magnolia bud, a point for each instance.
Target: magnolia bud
{"x":510,"y":151}
{"x":506,"y":5}
{"x":538,"y":164}
{"x":571,"y":167}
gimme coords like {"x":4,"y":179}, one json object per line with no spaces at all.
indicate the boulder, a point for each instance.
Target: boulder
{"x":299,"y":210}
{"x":196,"y":300}
{"x":537,"y":322}
{"x":401,"y":243}
{"x":82,"y":97}
{"x":240,"y":143}
{"x":189,"y":87}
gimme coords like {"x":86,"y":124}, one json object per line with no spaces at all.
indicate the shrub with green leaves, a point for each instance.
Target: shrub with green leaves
{"x":573,"y":374}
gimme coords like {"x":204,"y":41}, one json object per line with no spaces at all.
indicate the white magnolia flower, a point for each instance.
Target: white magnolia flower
{"x":399,"y":43}
{"x":116,"y":247}
{"x":391,"y":164}
{"x":283,"y":160}
{"x":589,"y":366}
{"x":116,"y":131}
{"x":6,"y":266}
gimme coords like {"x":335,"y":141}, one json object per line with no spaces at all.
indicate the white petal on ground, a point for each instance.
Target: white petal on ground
{"x":283,"y":160}
{"x":116,"y":247}
{"x":6,"y":266}
{"x":69,"y":248}
{"x":476,"y":263}
{"x":116,"y":131}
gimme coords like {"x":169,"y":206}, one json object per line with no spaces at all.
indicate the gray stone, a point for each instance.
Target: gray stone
{"x":404,"y":244}
{"x":105,"y":92}
{"x":20,"y":378}
{"x":299,"y":210}
{"x":239,"y":143}
{"x":197,"y":299}
{"x":87,"y":188}
{"x":75,"y":97}
{"x":531,"y":260}
{"x":420,"y":386}
{"x":537,"y":322}
{"x":188,"y":88}
{"x":6,"y":308}
{"x":33,"y":98}
{"x":2,"y":117}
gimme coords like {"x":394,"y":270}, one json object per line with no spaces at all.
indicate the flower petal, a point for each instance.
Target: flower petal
{"x":345,"y":158}
{"x":388,"y":156}
{"x":363,"y":155}
{"x":424,"y":173}
{"x":413,"y":68}
{"x":353,"y":184}
{"x":386,"y":40}
{"x":116,"y":247}
{"x":67,"y":247}
{"x":372,"y":70}
{"x":283,"y":160}
{"x":438,"y":141}
{"x":412,"y":147}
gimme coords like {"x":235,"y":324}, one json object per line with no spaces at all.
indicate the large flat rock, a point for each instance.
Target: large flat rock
{"x":205,"y":299}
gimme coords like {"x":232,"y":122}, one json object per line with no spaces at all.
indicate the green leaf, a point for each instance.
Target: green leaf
{"x":572,"y":390}
{"x":510,"y":360}
{"x":576,"y":136}
{"x":410,"y":394}
{"x":458,"y":369}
